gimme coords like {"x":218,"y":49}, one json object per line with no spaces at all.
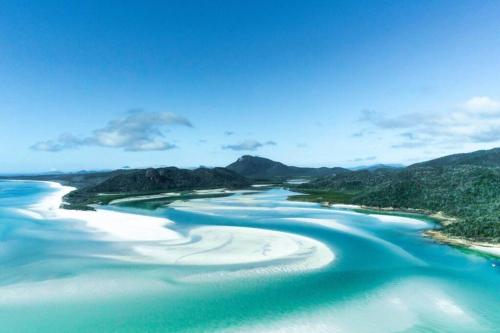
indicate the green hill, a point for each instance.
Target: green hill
{"x":256,"y":167}
{"x":487,"y":158}
{"x":170,"y":178}
{"x":465,"y":186}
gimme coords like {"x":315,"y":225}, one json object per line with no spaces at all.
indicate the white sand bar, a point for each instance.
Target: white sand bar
{"x":492,"y":250}
{"x":114,"y":225}
{"x":153,"y":241}
{"x":146,"y":197}
{"x":400,"y":219}
{"x":220,"y":245}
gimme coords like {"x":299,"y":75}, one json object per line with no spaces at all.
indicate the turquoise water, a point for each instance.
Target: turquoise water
{"x":59,"y":275}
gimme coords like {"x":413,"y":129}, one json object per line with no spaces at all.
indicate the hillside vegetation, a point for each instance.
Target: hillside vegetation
{"x":450,"y":185}
{"x":487,"y":158}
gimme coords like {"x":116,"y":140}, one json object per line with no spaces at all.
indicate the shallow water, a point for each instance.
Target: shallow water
{"x":58,"y":275}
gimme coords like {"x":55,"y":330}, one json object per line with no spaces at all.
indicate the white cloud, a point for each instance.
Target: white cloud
{"x":476,"y":120}
{"x":149,"y":145}
{"x":482,"y":103}
{"x":136,"y":131}
{"x":249,"y":145}
{"x":64,"y":141}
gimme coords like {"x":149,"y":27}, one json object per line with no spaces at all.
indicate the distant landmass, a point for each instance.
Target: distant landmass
{"x":377,"y":167}
{"x":256,"y":167}
{"x":464,"y":186}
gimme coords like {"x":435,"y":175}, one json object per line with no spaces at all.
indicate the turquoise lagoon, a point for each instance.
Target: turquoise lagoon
{"x":250,"y":262}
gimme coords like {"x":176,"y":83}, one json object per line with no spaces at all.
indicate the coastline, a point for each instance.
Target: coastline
{"x":491,"y":249}
{"x":112,"y":225}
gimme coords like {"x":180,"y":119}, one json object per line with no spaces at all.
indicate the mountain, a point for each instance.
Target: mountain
{"x":377,"y":167}
{"x":256,"y":167}
{"x":487,"y":158}
{"x":464,"y":186}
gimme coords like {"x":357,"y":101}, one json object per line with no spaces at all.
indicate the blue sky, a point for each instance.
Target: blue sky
{"x":95,"y":84}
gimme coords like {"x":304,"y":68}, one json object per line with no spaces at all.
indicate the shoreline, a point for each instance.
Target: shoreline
{"x":115,"y":226}
{"x":491,"y":249}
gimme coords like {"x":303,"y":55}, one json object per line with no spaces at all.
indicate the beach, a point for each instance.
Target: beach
{"x":481,"y":247}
